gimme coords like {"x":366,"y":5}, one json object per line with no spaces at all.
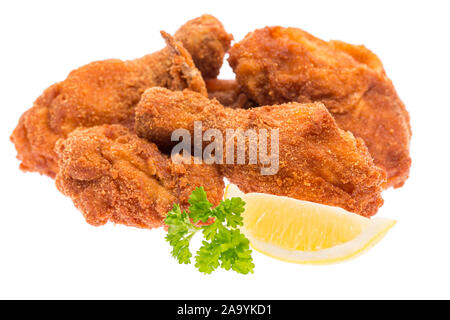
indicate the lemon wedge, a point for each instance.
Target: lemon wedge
{"x":306,"y":232}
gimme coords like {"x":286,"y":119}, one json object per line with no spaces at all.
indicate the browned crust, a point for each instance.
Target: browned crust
{"x":275,"y":65}
{"x":318,"y":161}
{"x":112,"y":175}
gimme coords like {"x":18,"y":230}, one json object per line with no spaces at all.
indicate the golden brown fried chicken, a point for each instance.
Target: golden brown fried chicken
{"x":106,"y":92}
{"x":277,"y":65}
{"x":112,"y":175}
{"x":207,"y":41}
{"x":317,"y":161}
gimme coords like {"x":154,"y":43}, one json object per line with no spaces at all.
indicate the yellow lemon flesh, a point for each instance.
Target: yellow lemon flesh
{"x":306,"y":232}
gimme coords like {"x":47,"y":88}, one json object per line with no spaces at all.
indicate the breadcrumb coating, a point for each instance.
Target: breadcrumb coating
{"x":318,"y":161}
{"x":113,"y":175}
{"x":274,"y":65}
{"x":106,"y":92}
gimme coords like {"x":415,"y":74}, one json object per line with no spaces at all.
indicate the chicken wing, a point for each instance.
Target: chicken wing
{"x":112,"y":175}
{"x":317,"y":161}
{"x":106,"y":92}
{"x":277,"y":65}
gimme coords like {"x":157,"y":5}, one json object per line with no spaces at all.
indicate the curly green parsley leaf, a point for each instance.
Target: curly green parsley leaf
{"x":224,"y":245}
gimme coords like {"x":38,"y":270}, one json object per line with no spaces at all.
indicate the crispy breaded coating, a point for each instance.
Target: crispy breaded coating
{"x":112,"y":175}
{"x":317,"y":161}
{"x":106,"y":92}
{"x":207,"y":41}
{"x":276,"y":65}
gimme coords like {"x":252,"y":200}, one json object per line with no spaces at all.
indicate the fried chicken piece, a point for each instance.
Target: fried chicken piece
{"x":227,"y":92}
{"x":317,"y":161}
{"x":207,"y":41}
{"x":277,"y":65}
{"x":106,"y":92}
{"x":112,"y":175}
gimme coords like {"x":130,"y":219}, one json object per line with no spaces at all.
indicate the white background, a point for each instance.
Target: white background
{"x":48,"y":251}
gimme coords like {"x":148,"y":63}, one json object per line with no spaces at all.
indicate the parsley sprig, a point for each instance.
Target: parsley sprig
{"x":224,"y":245}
